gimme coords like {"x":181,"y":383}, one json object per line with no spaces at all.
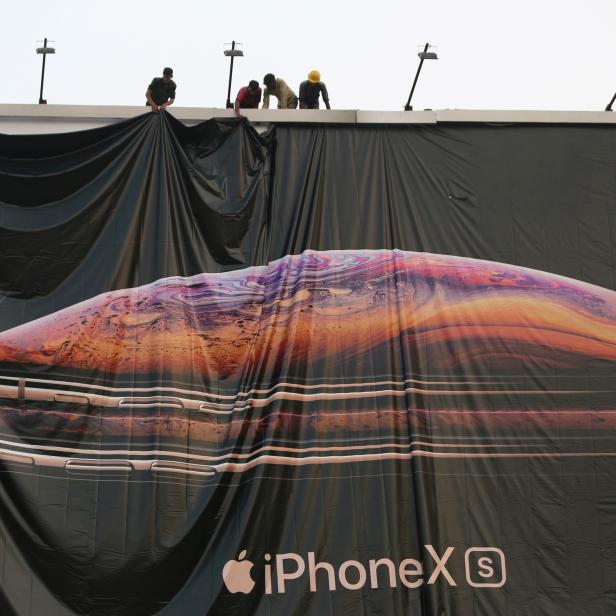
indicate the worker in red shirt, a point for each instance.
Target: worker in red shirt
{"x":248,"y":97}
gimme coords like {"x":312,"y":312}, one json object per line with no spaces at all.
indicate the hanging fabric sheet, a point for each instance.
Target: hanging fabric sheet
{"x":322,"y":370}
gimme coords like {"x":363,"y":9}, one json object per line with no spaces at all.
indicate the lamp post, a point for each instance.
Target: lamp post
{"x":44,"y":50}
{"x":609,"y":105}
{"x":231,"y":53}
{"x":423,"y":55}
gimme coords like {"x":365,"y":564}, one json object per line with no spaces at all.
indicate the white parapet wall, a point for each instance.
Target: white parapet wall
{"x":41,"y":119}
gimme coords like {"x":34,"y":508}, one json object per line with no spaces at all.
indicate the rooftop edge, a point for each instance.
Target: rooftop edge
{"x":58,"y":118}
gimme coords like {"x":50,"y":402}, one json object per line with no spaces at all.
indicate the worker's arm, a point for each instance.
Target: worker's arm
{"x":240,"y":100}
{"x":266,"y":96}
{"x":325,"y":95}
{"x":171,"y":96}
{"x":148,"y":96}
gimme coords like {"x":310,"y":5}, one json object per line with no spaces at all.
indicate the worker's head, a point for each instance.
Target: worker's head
{"x":269,"y":80}
{"x":314,"y":76}
{"x":253,"y":85}
{"x":167,"y":74}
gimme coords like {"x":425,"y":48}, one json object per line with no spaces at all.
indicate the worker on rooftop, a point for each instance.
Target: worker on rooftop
{"x":310,"y":90}
{"x":248,"y":97}
{"x":278,"y":87}
{"x":161,"y":92}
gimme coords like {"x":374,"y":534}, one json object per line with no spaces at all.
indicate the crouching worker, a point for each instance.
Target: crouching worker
{"x":310,"y":90}
{"x":161,"y":92}
{"x":248,"y":97}
{"x":278,"y":88}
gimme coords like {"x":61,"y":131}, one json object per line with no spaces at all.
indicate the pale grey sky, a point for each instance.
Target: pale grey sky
{"x":493,"y":54}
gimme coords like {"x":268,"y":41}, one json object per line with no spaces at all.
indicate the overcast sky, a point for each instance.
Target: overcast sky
{"x":493,"y":54}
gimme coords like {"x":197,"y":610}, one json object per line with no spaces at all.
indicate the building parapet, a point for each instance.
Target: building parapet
{"x":24,"y":119}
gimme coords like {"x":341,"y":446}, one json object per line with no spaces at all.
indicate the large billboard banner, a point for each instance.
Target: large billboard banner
{"x":245,"y":373}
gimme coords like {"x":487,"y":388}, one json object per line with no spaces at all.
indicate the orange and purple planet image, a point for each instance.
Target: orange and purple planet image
{"x":317,"y":357}
{"x":319,"y":305}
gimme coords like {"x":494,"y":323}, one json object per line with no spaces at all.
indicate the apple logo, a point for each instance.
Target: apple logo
{"x":236,"y":575}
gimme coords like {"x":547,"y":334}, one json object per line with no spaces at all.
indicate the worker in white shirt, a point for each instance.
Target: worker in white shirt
{"x":278,"y":87}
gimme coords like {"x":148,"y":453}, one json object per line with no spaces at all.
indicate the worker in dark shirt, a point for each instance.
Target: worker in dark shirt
{"x":161,"y":92}
{"x":310,"y":90}
{"x":248,"y":97}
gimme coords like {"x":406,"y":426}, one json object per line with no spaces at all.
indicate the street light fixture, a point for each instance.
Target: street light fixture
{"x":44,"y":50}
{"x":423,"y":55}
{"x":232,"y":53}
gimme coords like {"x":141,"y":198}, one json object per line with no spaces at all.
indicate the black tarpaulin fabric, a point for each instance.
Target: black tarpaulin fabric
{"x":127,"y":204}
{"x":536,"y":195}
{"x":323,"y":370}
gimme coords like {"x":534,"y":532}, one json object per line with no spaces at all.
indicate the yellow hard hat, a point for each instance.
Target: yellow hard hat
{"x":314,"y":76}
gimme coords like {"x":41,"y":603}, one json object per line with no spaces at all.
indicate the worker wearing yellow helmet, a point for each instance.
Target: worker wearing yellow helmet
{"x":310,"y":90}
